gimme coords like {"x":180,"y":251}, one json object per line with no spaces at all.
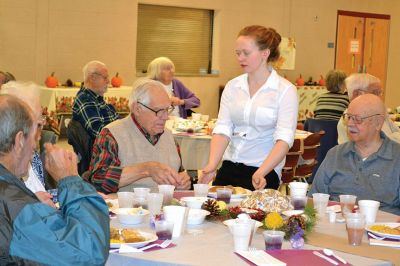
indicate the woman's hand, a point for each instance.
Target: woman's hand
{"x":207,"y":174}
{"x":177,"y":101}
{"x":258,"y":180}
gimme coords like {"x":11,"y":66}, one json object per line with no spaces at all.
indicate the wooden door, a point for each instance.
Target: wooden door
{"x":362,"y":43}
{"x":349,"y":43}
{"x":376,"y":47}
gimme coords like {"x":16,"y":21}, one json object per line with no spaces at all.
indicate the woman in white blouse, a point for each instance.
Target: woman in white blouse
{"x":257,"y":118}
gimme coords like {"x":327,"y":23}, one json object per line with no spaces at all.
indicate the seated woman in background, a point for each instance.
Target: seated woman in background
{"x":331,"y":105}
{"x":163,"y":70}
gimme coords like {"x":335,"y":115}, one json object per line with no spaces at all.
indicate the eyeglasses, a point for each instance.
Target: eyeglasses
{"x":161,"y":112}
{"x":356,"y":118}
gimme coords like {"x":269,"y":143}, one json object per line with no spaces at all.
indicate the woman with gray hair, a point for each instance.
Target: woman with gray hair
{"x":331,"y":105}
{"x":28,"y":92}
{"x":163,"y":70}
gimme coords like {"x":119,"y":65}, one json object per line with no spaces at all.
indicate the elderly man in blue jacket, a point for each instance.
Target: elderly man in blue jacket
{"x":33,"y":233}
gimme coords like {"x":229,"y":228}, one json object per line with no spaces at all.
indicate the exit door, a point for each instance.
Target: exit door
{"x":362,"y":43}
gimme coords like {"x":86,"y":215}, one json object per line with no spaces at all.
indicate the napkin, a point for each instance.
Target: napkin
{"x":385,"y":243}
{"x":128,"y":249}
{"x":261,"y":258}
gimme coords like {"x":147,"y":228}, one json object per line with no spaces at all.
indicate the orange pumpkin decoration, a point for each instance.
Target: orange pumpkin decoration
{"x":321,"y":82}
{"x":300,"y":81}
{"x":116,"y":81}
{"x":51,"y":81}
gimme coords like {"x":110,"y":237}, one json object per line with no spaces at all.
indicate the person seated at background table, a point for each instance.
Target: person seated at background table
{"x":362,"y":83}
{"x":331,"y":105}
{"x":163,"y":70}
{"x":33,"y":233}
{"x":89,"y":107}
{"x":367,"y":165}
{"x":257,"y":118}
{"x":28,"y":92}
{"x":5,"y":77}
{"x":137,"y":151}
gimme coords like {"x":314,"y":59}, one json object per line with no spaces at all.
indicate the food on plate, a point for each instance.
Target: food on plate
{"x":385,"y":229}
{"x":118,"y":236}
{"x":235,"y":190}
{"x":268,"y":200}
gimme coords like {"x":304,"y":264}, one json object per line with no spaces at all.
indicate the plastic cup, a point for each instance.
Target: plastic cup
{"x":298,"y":202}
{"x":201,"y":190}
{"x":273,"y":239}
{"x":355,"y":223}
{"x":168,"y":192}
{"x":224,"y":194}
{"x":298,"y":189}
{"x":196,"y":116}
{"x":320,"y":203}
{"x":369,"y":208}
{"x":347,"y":203}
{"x":332,"y":217}
{"x":241,"y":236}
{"x":126,"y":199}
{"x":164,"y":229}
{"x":154,"y":203}
{"x":178,"y":216}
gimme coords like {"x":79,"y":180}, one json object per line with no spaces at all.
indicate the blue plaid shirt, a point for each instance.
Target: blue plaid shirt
{"x":92,"y":111}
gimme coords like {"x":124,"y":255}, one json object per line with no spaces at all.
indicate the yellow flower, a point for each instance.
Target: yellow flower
{"x":273,"y":220}
{"x":221,"y":205}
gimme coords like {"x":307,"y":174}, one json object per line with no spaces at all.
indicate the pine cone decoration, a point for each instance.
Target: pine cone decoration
{"x":212,"y":206}
{"x":297,"y":219}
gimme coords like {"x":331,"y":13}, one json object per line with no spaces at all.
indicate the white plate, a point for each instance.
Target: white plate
{"x":289,"y":213}
{"x":334,"y":208}
{"x":393,"y":225}
{"x":148,"y":236}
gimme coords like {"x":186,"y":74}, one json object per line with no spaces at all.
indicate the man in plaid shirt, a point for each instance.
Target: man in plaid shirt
{"x":89,"y":108}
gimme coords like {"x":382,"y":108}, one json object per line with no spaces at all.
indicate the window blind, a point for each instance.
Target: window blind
{"x":182,"y":34}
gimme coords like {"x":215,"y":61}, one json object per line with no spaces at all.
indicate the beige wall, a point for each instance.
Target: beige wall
{"x":41,"y":36}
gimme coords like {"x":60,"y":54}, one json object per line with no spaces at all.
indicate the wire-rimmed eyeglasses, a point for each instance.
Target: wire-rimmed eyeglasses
{"x":161,"y":112}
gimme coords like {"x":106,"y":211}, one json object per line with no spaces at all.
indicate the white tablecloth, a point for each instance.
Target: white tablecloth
{"x":52,"y":97}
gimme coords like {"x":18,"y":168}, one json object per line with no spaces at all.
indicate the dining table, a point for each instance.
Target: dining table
{"x":211,"y":243}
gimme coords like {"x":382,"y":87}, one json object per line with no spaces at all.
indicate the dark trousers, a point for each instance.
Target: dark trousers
{"x":239,"y":175}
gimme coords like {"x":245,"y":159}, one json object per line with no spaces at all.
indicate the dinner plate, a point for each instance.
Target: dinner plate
{"x":393,"y":225}
{"x":148,"y":236}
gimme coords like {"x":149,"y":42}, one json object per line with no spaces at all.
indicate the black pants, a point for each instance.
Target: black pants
{"x":239,"y":175}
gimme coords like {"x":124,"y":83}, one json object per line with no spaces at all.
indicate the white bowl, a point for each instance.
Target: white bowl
{"x":194,"y":202}
{"x":196,"y":216}
{"x":131,"y":215}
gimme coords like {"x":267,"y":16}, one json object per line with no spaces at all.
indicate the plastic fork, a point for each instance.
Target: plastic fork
{"x":376,"y":237}
{"x":164,"y":244}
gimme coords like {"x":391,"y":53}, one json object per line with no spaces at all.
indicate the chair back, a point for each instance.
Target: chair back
{"x":82,"y":144}
{"x":328,"y":141}
{"x":47,"y":136}
{"x":291,"y":161}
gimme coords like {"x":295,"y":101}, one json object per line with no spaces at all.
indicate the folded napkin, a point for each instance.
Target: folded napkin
{"x":294,"y":257}
{"x":260,"y":258}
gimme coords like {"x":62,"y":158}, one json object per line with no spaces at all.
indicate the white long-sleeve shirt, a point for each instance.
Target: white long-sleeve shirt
{"x":254,"y":124}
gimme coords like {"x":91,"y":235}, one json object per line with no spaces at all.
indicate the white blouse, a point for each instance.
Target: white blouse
{"x":254,"y":124}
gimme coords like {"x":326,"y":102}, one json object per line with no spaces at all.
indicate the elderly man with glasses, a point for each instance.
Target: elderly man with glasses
{"x":137,"y":151}
{"x":367,"y":165}
{"x":359,"y":84}
{"x":89,"y":108}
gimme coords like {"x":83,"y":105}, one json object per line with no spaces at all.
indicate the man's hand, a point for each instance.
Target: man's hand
{"x":45,"y":198}
{"x":163,"y":174}
{"x":185,"y":181}
{"x":258,"y":180}
{"x":59,"y":162}
{"x":207,"y":175}
{"x":176,"y":101}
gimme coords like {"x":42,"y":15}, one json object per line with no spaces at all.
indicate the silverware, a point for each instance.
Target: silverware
{"x":316,"y":253}
{"x":164,"y":244}
{"x":330,"y":252}
{"x":376,"y":237}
